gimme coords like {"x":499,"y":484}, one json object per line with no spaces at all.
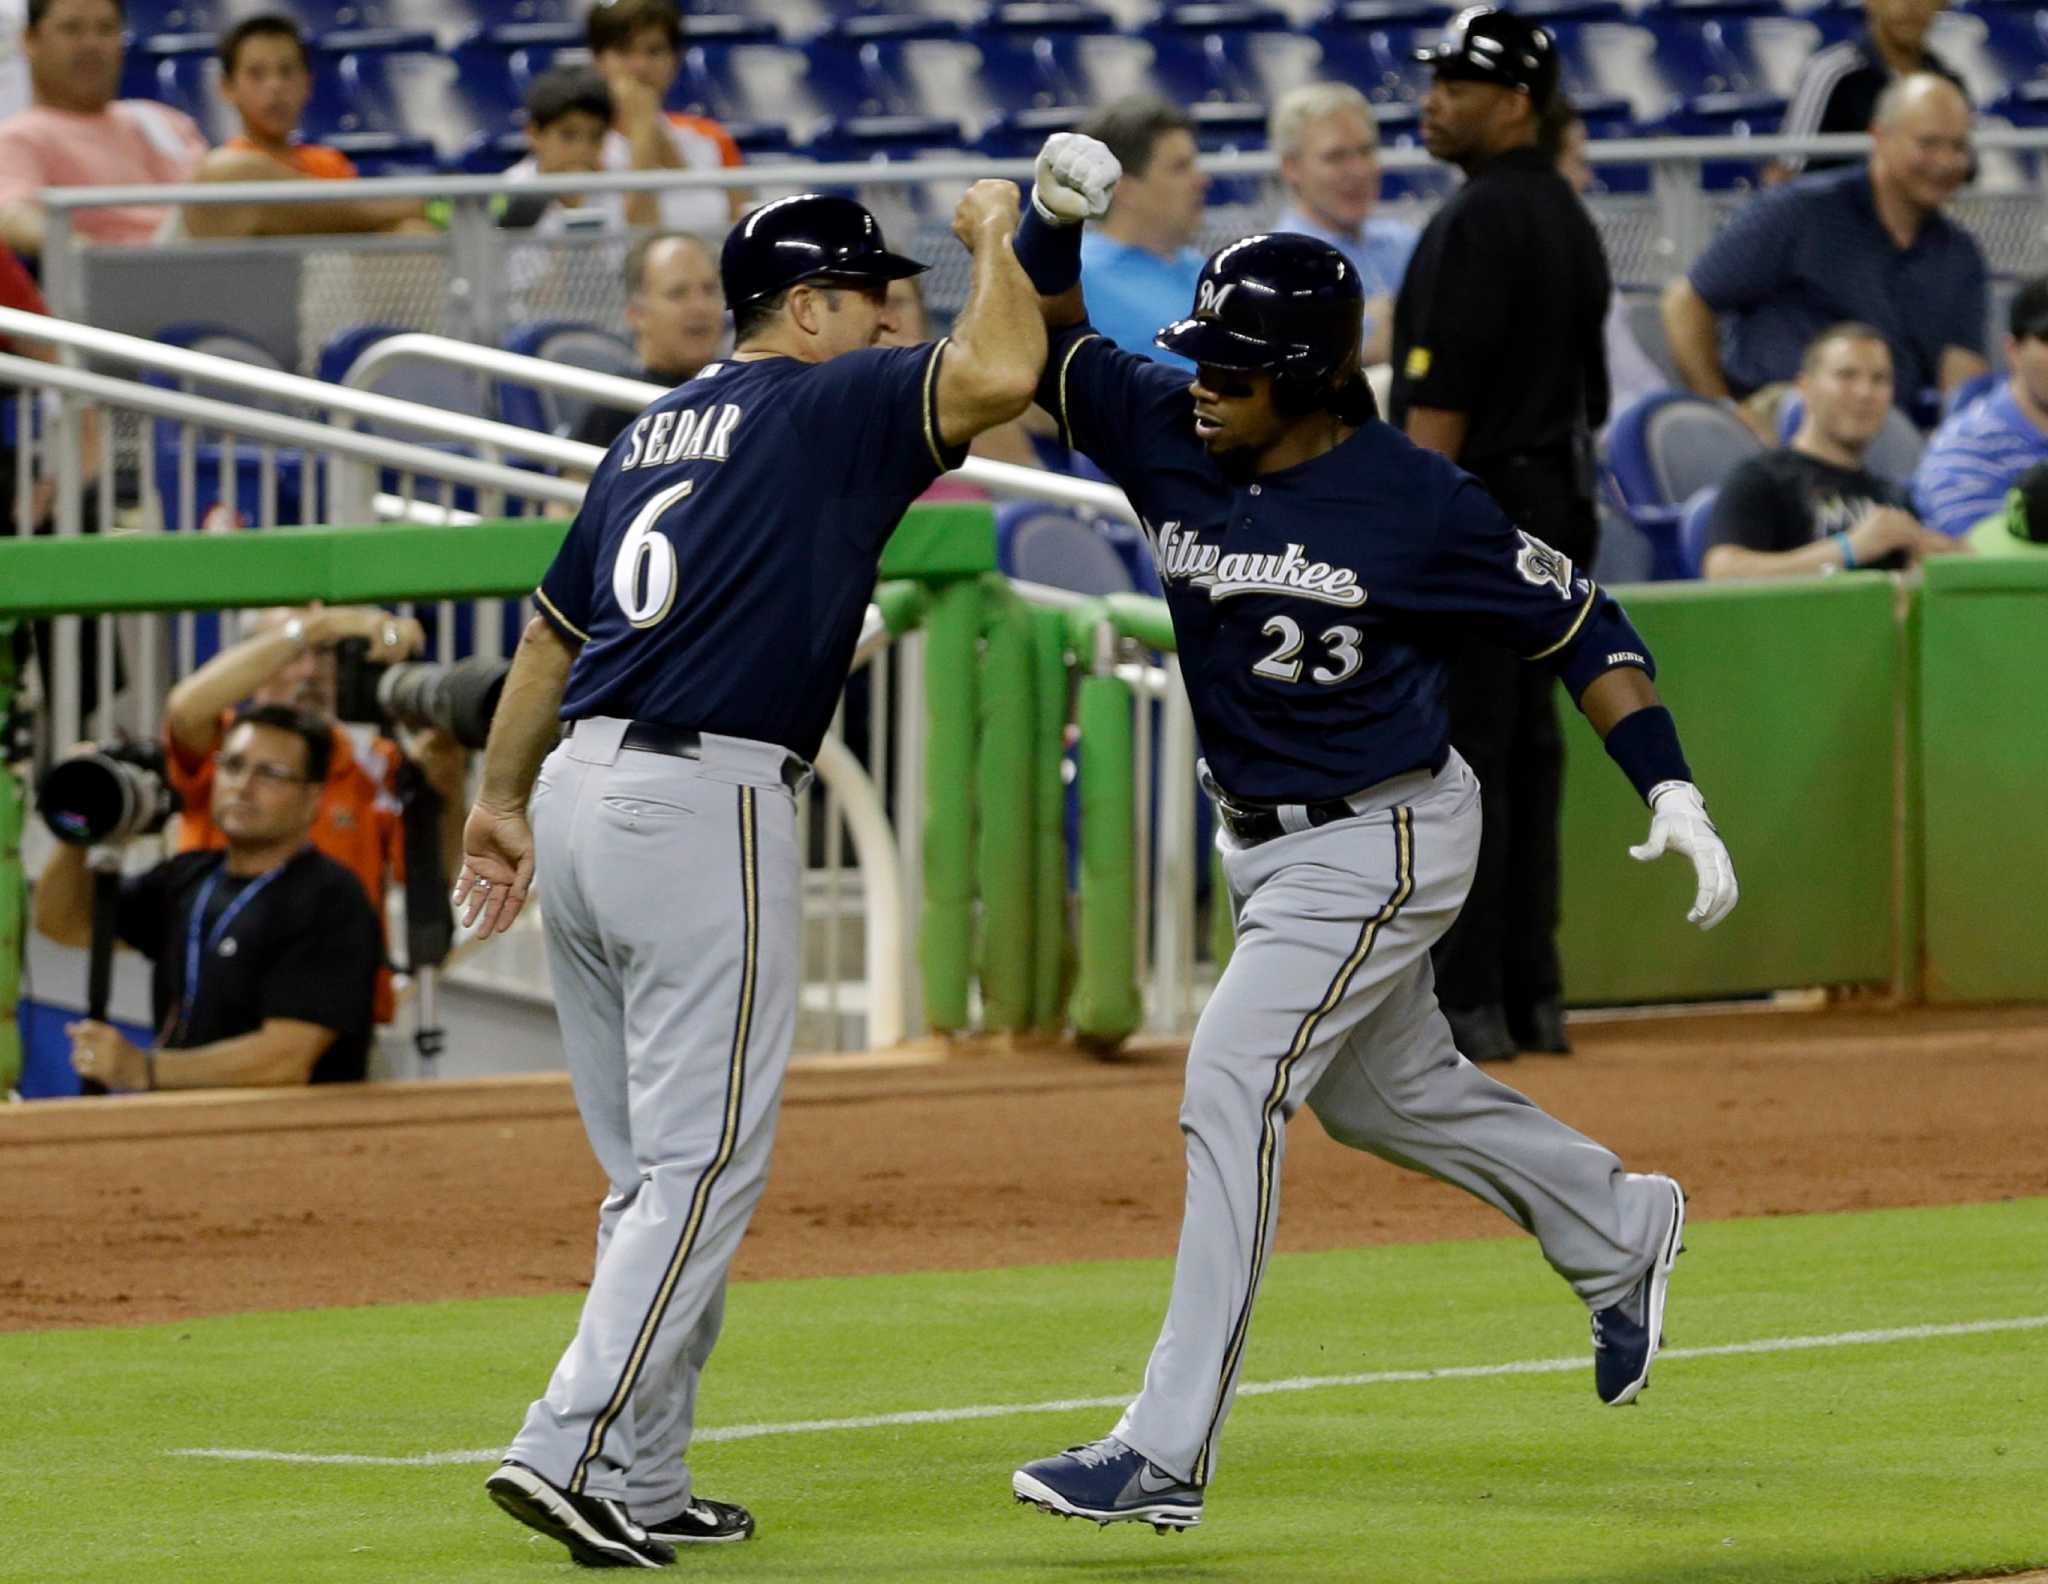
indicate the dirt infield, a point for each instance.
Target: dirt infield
{"x":163,"y":1207}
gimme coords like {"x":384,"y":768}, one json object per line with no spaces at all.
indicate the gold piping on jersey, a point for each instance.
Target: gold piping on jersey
{"x":728,"y":1141}
{"x":1066,"y":430}
{"x":555,"y":611}
{"x":1592,"y":599}
{"x":1269,"y":1132}
{"x":931,"y":405}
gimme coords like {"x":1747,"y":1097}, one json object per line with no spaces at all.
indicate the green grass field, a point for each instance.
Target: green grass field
{"x":1899,"y":1459}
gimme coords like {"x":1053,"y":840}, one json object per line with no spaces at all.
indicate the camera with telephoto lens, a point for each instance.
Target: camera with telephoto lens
{"x":107,"y":795}
{"x":459,"y":699}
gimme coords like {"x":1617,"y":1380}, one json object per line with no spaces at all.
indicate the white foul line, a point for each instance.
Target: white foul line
{"x":1296,"y":1383}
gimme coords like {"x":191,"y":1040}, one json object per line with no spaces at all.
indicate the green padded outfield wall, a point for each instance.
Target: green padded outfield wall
{"x":1984,"y":779}
{"x":1786,"y":697}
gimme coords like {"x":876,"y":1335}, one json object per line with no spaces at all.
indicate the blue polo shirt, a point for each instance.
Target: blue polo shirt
{"x":1973,"y":460}
{"x":1814,"y":253}
{"x":1133,"y":294}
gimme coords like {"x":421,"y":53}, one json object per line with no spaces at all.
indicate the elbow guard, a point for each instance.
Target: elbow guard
{"x":1607,"y":639}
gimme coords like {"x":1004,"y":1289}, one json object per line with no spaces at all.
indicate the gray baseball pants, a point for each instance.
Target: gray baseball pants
{"x":670,"y":905}
{"x":1330,"y":998}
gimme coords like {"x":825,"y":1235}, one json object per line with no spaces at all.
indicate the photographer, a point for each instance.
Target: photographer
{"x":266,"y":953}
{"x":290,"y":658}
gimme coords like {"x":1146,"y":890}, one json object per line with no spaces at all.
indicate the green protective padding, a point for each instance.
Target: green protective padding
{"x":1984,"y":779}
{"x":1106,"y":1006}
{"x":1005,"y":829}
{"x":13,"y":891}
{"x":1785,"y":700}
{"x":280,"y":566}
{"x":1050,"y":950}
{"x":902,"y":606}
{"x":1141,"y":617}
{"x":935,"y":542}
{"x":945,"y":943}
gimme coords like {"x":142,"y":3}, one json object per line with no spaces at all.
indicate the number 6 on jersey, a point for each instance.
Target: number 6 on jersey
{"x":644,"y":576}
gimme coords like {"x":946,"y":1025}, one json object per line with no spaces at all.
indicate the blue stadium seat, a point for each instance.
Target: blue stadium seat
{"x":245,"y":463}
{"x":1038,"y":543}
{"x":888,"y":137}
{"x":1228,"y":51}
{"x":416,"y":94}
{"x":457,"y":390}
{"x":387,"y":153}
{"x":1222,"y":128}
{"x":179,"y":70}
{"x":876,"y":64}
{"x":1693,"y":518}
{"x":144,"y":17}
{"x":583,"y":346}
{"x":1375,"y":57}
{"x":1660,"y":450}
{"x":488,"y":153}
{"x":1030,"y":52}
{"x":738,"y":79}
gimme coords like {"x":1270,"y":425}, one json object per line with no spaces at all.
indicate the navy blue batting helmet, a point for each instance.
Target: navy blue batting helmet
{"x":810,"y":237}
{"x":1280,"y":302}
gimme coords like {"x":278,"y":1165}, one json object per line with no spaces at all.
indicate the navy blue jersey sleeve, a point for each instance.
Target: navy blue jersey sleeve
{"x":876,"y":413}
{"x":1506,"y":586}
{"x":567,"y":590}
{"x":1111,"y":405}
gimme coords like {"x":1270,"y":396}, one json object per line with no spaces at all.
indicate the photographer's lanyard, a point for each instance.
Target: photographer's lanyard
{"x":194,"y":954}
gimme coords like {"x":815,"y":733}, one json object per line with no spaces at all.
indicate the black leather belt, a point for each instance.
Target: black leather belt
{"x":654,"y":737}
{"x":1254,"y":825}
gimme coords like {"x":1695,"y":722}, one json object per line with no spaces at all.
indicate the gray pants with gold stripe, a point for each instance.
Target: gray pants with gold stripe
{"x":669,"y":895}
{"x":1329,"y":998}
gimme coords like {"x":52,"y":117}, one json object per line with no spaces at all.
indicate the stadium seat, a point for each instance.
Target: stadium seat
{"x":416,"y":93}
{"x":179,"y":70}
{"x":386,"y":153}
{"x":1230,"y":52}
{"x":431,"y":385}
{"x":1045,"y":544}
{"x":583,"y":346}
{"x":1893,"y":455}
{"x":245,"y":463}
{"x":744,"y":80}
{"x":1693,"y":518}
{"x":1030,"y":50}
{"x":144,"y":17}
{"x":1663,"y":448}
{"x":893,"y":65}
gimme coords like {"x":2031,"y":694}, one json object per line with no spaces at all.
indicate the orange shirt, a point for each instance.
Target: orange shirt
{"x":308,"y":159}
{"x":358,"y":824}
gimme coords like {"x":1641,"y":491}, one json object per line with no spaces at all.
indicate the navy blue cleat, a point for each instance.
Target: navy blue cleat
{"x":1626,"y":1336}
{"x":1107,"y":1481}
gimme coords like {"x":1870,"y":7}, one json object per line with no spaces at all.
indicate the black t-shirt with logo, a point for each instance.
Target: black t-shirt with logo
{"x":299,"y":942}
{"x":1785,"y":499}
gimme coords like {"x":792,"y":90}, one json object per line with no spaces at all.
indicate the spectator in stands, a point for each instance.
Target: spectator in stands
{"x":1813,"y":506}
{"x":637,"y":45}
{"x":1981,"y":451}
{"x":266,"y":74}
{"x":290,"y":658}
{"x":1329,"y":148}
{"x":265,"y":951}
{"x":76,"y":134}
{"x":676,"y":308}
{"x":568,"y":113}
{"x":1139,"y":266}
{"x":1838,"y":87}
{"x":1631,"y":372}
{"x":1868,"y":244}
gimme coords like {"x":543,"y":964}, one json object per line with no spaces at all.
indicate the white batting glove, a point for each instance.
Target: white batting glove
{"x":1076,"y":177}
{"x":1679,"y":823}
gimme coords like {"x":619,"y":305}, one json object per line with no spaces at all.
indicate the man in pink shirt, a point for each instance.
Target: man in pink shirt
{"x":76,"y":135}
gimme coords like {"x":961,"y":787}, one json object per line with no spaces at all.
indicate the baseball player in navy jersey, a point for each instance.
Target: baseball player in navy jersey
{"x":1316,"y":563}
{"x":694,"y":636}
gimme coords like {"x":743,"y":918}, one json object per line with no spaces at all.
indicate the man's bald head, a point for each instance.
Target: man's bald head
{"x":1920,"y":141}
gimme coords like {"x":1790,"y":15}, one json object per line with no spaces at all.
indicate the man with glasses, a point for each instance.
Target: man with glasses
{"x":265,"y":952}
{"x":289,"y":658}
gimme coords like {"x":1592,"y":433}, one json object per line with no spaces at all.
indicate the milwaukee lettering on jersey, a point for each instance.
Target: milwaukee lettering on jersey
{"x":1186,"y":559}
{"x":681,"y":435}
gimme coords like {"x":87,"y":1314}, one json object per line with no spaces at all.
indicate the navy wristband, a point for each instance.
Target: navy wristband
{"x":1645,"y":745}
{"x":1050,"y":254}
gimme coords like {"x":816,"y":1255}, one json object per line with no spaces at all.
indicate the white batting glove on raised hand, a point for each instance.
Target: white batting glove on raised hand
{"x":1679,"y":823}
{"x":1076,"y":177}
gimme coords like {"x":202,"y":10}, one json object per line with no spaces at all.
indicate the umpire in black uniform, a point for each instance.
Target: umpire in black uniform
{"x":1499,"y":364}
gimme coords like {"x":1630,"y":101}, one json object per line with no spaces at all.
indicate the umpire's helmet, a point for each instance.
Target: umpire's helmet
{"x":1486,"y":45}
{"x":812,"y":236}
{"x":1283,"y":303}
